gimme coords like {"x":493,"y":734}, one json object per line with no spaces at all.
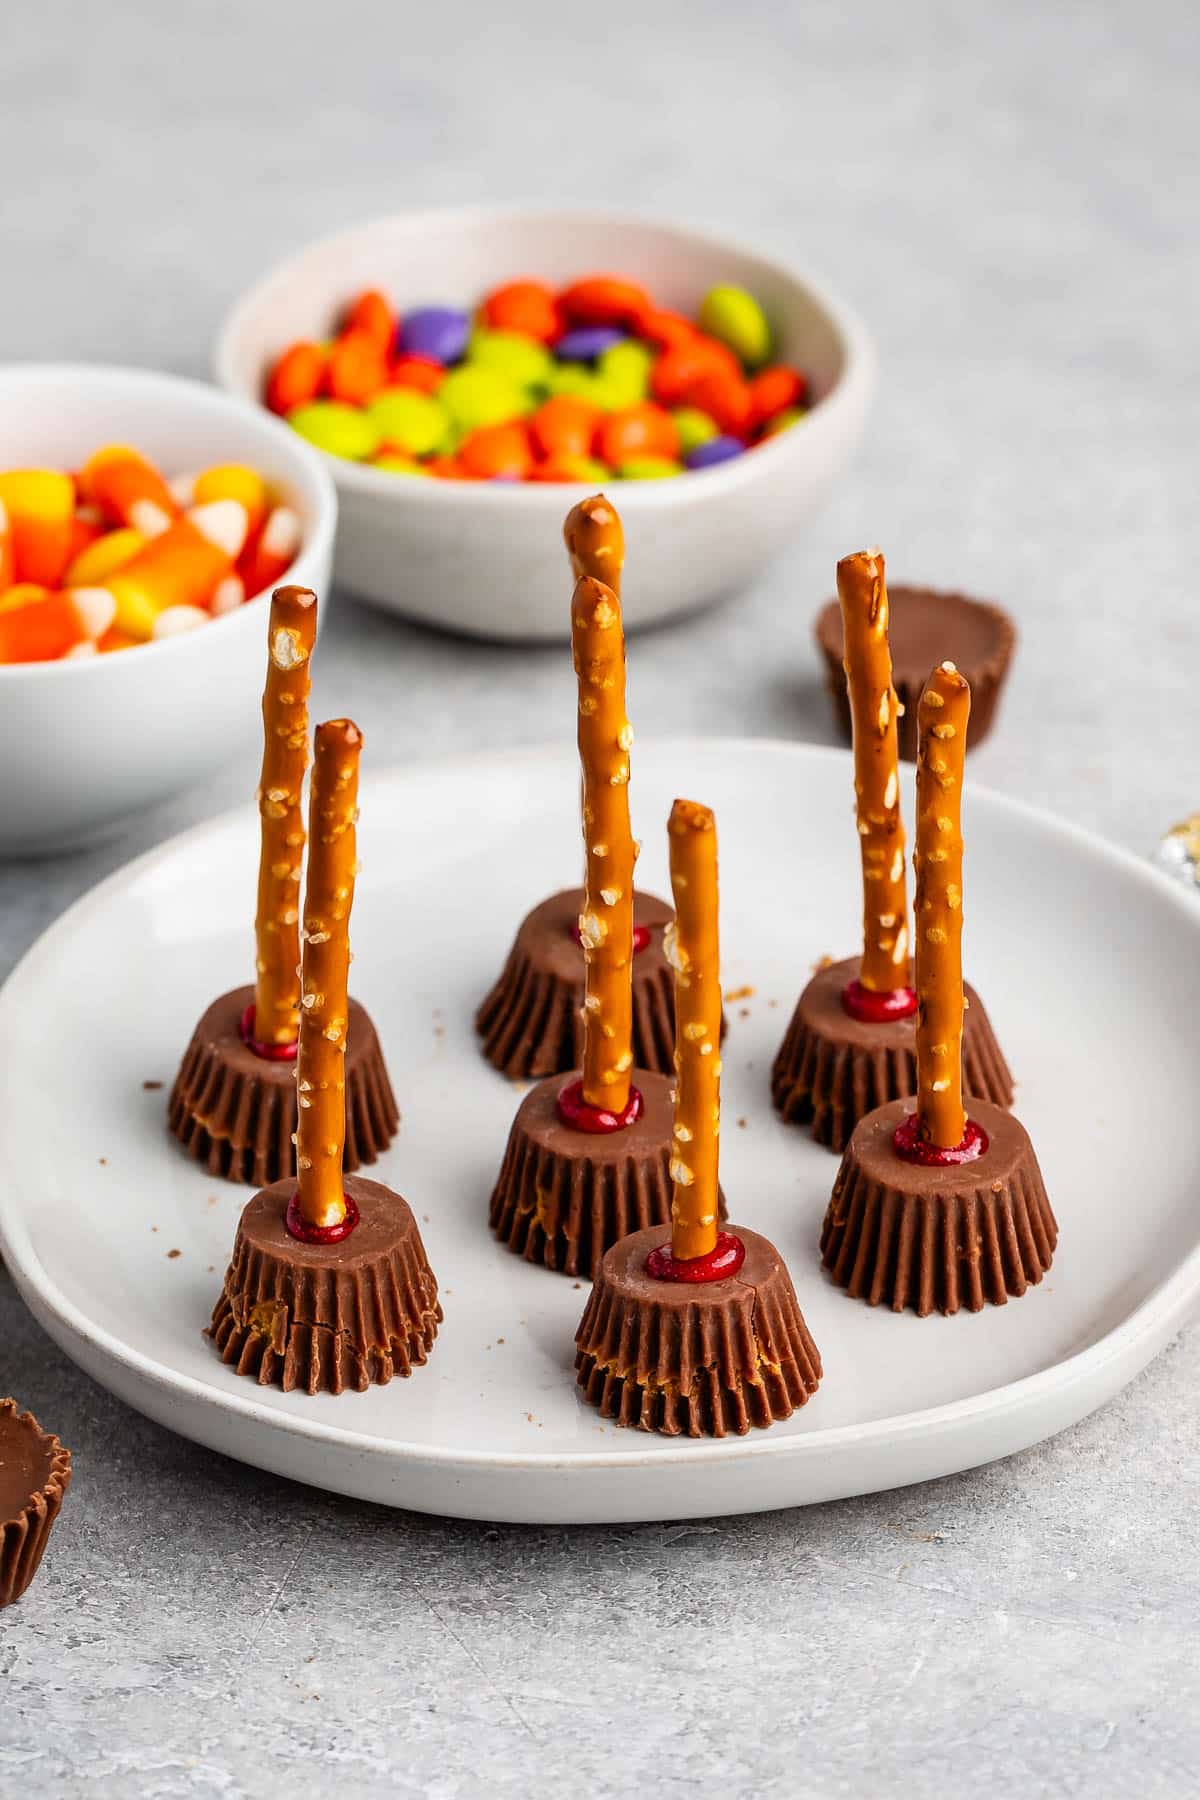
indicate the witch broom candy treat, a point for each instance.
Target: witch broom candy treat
{"x":35,"y":1472}
{"x":328,"y":1286}
{"x":233,"y":1106}
{"x":695,"y":1330}
{"x":588,"y":1157}
{"x":942,"y":1206}
{"x":531,"y":1022}
{"x":850,"y":1045}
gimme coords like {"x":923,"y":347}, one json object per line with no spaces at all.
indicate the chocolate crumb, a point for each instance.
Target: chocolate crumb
{"x":152,"y":1087}
{"x":104,"y":1161}
{"x":741,"y":1124}
{"x":172,"y":1254}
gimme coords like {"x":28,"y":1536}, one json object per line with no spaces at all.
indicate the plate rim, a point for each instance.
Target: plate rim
{"x":1160,"y":1313}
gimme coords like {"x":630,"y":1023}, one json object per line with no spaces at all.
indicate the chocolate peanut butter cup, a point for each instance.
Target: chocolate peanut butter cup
{"x":35,"y":1472}
{"x":833,"y":1068}
{"x":325,"y":1317}
{"x":928,"y":626}
{"x":236,"y":1111}
{"x":531,"y":1023}
{"x":694,"y":1359}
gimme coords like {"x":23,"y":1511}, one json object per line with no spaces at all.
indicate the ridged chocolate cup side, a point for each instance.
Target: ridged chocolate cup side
{"x":832,"y":1070}
{"x":702,"y":1360}
{"x":926,"y":627}
{"x":564,"y":1197}
{"x":327,"y":1317}
{"x":530,"y":1022}
{"x":902,"y":1235}
{"x":235,"y":1112}
{"x":36,"y":1473}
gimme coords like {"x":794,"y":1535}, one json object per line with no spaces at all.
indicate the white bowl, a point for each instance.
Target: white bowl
{"x":83,"y":744}
{"x":487,"y":558}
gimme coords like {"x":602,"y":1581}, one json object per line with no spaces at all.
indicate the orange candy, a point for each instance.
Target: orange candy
{"x":526,"y":307}
{"x":725,"y":398}
{"x":37,"y":625}
{"x":372,"y":314}
{"x":420,"y":372}
{"x":666,"y":328}
{"x":40,"y":506}
{"x":448,"y":468}
{"x":644,"y":430}
{"x":297,"y":378}
{"x":681,"y":366}
{"x":128,"y":490}
{"x":271,"y":552}
{"x":773,"y":391}
{"x":568,"y":468}
{"x":497,"y":450}
{"x":358,"y":368}
{"x":565,"y":426}
{"x":605,"y":300}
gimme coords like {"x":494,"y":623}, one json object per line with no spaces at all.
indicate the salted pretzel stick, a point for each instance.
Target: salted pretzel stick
{"x":290,"y":637}
{"x":328,"y":897}
{"x":606,"y":923}
{"x":595,"y":542}
{"x":862,"y":590}
{"x":693,"y":946}
{"x":941,"y":751}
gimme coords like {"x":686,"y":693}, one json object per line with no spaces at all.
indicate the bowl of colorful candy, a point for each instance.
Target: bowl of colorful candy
{"x":142,"y":520}
{"x":468,"y":376}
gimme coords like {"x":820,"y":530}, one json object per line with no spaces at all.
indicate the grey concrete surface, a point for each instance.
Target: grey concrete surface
{"x":1008,"y":195}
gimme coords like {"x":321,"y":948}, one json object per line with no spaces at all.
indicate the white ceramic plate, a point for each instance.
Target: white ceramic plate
{"x":1090,"y":964}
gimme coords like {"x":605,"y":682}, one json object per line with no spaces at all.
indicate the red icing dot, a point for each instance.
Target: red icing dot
{"x":725,"y":1259}
{"x":268,"y":1052}
{"x":320,"y":1234}
{"x":641,"y":937}
{"x":908,"y":1143}
{"x":581,"y":1115}
{"x":871,"y":1008}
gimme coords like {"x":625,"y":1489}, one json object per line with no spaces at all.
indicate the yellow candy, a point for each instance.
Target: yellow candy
{"x":93,"y":566}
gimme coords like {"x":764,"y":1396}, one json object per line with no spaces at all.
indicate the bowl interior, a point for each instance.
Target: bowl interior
{"x":455,"y":257}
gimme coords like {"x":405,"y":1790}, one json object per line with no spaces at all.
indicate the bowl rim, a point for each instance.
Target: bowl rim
{"x":851,"y":391}
{"x":316,"y":543}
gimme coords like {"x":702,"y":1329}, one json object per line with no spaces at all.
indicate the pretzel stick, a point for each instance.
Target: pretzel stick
{"x":606,"y":923}
{"x":862,"y":590}
{"x":328,"y":897}
{"x":595,"y":542}
{"x":693,"y":947}
{"x":941,"y":751}
{"x":290,"y":637}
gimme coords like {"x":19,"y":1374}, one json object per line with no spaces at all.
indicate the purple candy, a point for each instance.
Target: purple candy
{"x":716,"y":450}
{"x":587,"y":342}
{"x":437,"y":331}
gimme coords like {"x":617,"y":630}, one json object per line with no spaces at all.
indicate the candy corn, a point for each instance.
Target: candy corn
{"x":180,"y":567}
{"x":128,"y":490}
{"x":40,"y":504}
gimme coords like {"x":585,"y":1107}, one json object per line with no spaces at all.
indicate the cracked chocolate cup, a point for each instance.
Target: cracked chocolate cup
{"x":831,"y":1070}
{"x":563,"y":1196}
{"x":927,"y":627}
{"x":235,"y":1112}
{"x":530,"y":1023}
{"x":326,"y":1317}
{"x":695,"y":1360}
{"x":904,"y":1234}
{"x":35,"y":1473}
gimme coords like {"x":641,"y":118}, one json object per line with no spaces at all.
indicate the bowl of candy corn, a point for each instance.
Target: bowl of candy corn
{"x":142,"y":520}
{"x":467,"y":376}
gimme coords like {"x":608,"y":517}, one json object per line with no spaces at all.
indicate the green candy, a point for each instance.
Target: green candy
{"x":624,"y":372}
{"x":649,"y":468}
{"x":576,"y":379}
{"x":694,"y":428}
{"x":734,"y":317}
{"x":782,"y":421}
{"x":409,"y":420}
{"x":473,"y":397}
{"x":337,"y":429}
{"x":507,"y":353}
